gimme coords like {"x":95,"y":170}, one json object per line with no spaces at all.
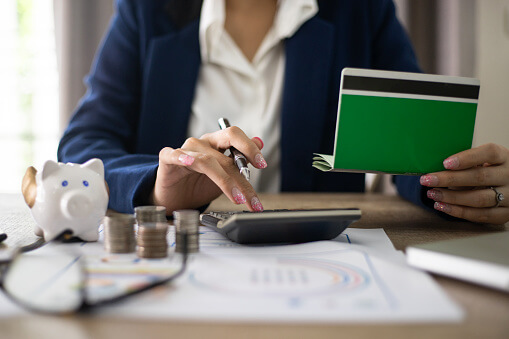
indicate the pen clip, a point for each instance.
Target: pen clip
{"x":223,"y":123}
{"x":239,"y":158}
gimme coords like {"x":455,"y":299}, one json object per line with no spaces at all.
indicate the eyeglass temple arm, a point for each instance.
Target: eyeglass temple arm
{"x":86,"y":307}
{"x":65,"y":234}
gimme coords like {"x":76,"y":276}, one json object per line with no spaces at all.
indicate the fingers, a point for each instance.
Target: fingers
{"x":216,"y":166}
{"x":480,"y":198}
{"x":204,"y":156}
{"x":479,"y":205}
{"x":477,"y":176}
{"x":497,"y":216}
{"x":485,"y":166}
{"x":489,"y":153}
{"x":175,"y":157}
{"x":234,"y":136}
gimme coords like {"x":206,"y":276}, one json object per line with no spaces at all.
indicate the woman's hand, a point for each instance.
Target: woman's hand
{"x":470,"y":184}
{"x":197,"y":173}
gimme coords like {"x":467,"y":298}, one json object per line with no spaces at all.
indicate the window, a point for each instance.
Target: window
{"x":28,"y":89}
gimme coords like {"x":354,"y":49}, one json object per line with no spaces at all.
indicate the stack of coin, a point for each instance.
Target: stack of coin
{"x":119,"y":233}
{"x":186,"y":222}
{"x":151,"y":240}
{"x":146,"y":214}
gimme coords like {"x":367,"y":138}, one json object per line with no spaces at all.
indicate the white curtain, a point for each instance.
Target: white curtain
{"x":443,"y":34}
{"x":79,"y":27}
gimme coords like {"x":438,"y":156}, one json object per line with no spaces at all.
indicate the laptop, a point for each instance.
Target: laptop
{"x":481,"y":259}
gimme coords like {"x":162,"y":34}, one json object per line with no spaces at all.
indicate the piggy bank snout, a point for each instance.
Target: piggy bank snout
{"x":75,"y":205}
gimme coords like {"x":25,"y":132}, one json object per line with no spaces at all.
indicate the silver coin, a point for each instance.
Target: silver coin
{"x":125,"y":249}
{"x":152,"y":244}
{"x":152,"y":239}
{"x":186,"y":220}
{"x":150,"y":214}
{"x":186,"y":223}
{"x":153,"y":232}
{"x":151,"y":254}
{"x":191,"y":238}
{"x":119,"y":220}
{"x":154,"y":248}
{"x":152,"y":236}
{"x":158,"y":228}
{"x":119,"y":234}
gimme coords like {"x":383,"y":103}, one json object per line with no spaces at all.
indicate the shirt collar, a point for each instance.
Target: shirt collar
{"x":291,"y":14}
{"x":211,"y":25}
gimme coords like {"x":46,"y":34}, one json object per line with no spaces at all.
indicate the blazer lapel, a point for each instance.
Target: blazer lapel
{"x":305,"y":101}
{"x":173,"y":64}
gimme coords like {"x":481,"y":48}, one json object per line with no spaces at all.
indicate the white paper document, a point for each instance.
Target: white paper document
{"x":358,"y":277}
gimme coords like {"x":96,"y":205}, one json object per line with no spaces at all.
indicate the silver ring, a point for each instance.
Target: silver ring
{"x":498,"y":196}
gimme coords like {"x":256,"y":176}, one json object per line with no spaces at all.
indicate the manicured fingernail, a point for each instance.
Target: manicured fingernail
{"x":451,"y":163}
{"x":261,"y":141}
{"x":256,"y":204}
{"x":440,"y":206}
{"x":429,"y":180}
{"x":186,"y":159}
{"x":260,"y":161}
{"x":435,"y":195}
{"x":238,"y":196}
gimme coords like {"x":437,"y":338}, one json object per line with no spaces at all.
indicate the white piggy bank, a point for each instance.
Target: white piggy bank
{"x":67,"y":196}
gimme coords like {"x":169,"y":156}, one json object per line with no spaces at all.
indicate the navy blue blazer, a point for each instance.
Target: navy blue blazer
{"x":142,"y":83}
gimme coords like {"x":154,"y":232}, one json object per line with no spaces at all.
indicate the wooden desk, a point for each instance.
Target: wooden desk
{"x":487,"y":311}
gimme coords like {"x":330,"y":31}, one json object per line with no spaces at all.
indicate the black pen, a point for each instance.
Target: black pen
{"x":239,"y":158}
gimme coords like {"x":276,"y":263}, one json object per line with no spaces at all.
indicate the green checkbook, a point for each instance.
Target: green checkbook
{"x":400,"y":123}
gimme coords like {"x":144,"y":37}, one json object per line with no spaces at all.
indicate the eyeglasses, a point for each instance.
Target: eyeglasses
{"x":55,"y":282}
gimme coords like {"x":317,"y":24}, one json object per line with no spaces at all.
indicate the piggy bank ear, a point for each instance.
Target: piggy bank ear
{"x":95,"y":165}
{"x":29,"y":186}
{"x":107,"y":188}
{"x":49,"y":168}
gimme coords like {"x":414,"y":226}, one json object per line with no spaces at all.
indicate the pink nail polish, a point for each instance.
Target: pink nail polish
{"x":186,"y":159}
{"x":440,"y":206}
{"x":238,"y":196}
{"x":260,"y":161}
{"x":261,"y":141}
{"x":434,"y":195}
{"x":429,"y":180}
{"x":256,"y":204}
{"x":451,"y":163}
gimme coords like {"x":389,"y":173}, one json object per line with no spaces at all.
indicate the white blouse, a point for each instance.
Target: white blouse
{"x":247,"y":93}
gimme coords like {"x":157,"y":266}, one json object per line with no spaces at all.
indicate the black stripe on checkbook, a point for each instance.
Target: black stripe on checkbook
{"x":404,"y":86}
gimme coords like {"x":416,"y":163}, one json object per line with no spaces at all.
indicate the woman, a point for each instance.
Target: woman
{"x":168,"y":70}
